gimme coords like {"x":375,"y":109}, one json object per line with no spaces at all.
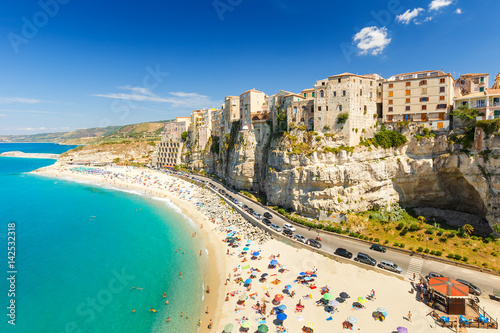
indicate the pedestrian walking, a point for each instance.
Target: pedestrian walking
{"x":409,"y":316}
{"x":414,"y":277}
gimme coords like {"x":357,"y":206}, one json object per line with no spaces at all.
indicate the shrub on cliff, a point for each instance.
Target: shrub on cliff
{"x":490,"y":126}
{"x":389,"y":139}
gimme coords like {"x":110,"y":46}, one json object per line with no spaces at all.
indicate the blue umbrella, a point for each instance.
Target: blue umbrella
{"x":352,"y":320}
{"x":245,"y":249}
{"x":288,"y":286}
{"x":248,"y":281}
{"x":307,"y":278}
{"x":255,"y":254}
{"x":281,"y":316}
{"x":302,"y":273}
{"x":274,"y":262}
{"x":282,"y":307}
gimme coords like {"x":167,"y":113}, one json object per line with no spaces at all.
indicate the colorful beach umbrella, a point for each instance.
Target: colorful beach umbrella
{"x":333,"y":303}
{"x":288,"y":287}
{"x":402,"y":329}
{"x":381,"y":309}
{"x":302,"y":273}
{"x":248,"y":281}
{"x":228,"y":328}
{"x":307,"y":278}
{"x":344,"y":295}
{"x":362,"y":300}
{"x":243,"y":297}
{"x":246,"y":324}
{"x":279,"y":297}
{"x":281,"y":316}
{"x":263,"y":328}
{"x":352,"y":320}
{"x":245,"y":249}
{"x":328,"y":296}
{"x":264,"y":275}
{"x":273,"y":263}
{"x":255,"y":254}
{"x":282,"y":307}
{"x":311,"y":325}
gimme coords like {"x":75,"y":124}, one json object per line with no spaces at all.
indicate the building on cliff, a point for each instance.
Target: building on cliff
{"x":301,"y":110}
{"x":230,"y":112}
{"x":347,"y":104}
{"x":487,"y":102}
{"x":471,"y":83}
{"x":425,"y":96}
{"x":201,"y":128}
{"x":168,"y":152}
{"x":275,"y":105}
{"x":251,"y":101}
{"x":176,"y":127}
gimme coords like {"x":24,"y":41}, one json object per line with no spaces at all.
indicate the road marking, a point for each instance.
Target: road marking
{"x":415,"y":266}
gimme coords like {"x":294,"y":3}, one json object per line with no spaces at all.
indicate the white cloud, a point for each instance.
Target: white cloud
{"x":178,"y":99}
{"x":409,"y":15}
{"x":372,"y":40}
{"x":438,"y":4}
{"x":30,"y":128}
{"x":458,"y":11}
{"x":3,"y":115}
{"x":8,"y":100}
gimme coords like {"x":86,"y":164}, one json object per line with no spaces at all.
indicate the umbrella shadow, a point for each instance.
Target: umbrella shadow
{"x":340,"y":300}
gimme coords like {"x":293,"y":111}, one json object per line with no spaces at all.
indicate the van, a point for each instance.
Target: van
{"x":288,"y":226}
{"x":390,"y":266}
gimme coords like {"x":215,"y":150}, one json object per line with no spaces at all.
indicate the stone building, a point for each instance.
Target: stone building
{"x":201,"y":128}
{"x":425,"y":97}
{"x":276,"y":105}
{"x":251,"y":101}
{"x":230,"y":113}
{"x":168,"y":152}
{"x":301,"y":111}
{"x":176,"y":127}
{"x":346,"y":104}
{"x":471,"y":83}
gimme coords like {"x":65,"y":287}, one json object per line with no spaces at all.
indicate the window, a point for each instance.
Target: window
{"x":423,"y":82}
{"x":391,"y":108}
{"x":391,"y":85}
{"x":441,"y":98}
{"x":482,"y":79}
{"x":340,"y":107}
{"x":408,"y":84}
{"x":408,"y":92}
{"x":327,"y":108}
{"x":295,"y":110}
{"x":441,"y":106}
{"x":319,"y":108}
{"x":343,"y":93}
{"x":424,"y":99}
{"x":390,"y":101}
{"x":334,"y":94}
{"x":340,"y":80}
{"x":371,"y":94}
{"x":441,"y":80}
{"x":389,"y":118}
{"x":371,"y":83}
{"x":441,"y":89}
{"x":319,"y":118}
{"x":305,"y":95}
{"x":321,"y":94}
{"x":322,"y":83}
{"x":407,"y":100}
{"x":407,"y":108}
{"x":391,"y":93}
{"x":424,"y":107}
{"x":424,"y":91}
{"x":481,"y":89}
{"x":480,"y":103}
{"x":361,"y":92}
{"x":366,"y":109}
{"x":313,"y":95}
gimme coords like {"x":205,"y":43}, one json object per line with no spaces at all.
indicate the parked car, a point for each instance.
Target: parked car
{"x":390,"y":266}
{"x":314,"y":243}
{"x":433,"y":274}
{"x":268,"y":215}
{"x":236,"y":201}
{"x":276,"y":227}
{"x":365,"y":259}
{"x":266,"y":222}
{"x":288,"y":226}
{"x":378,"y":248}
{"x":472,"y":288}
{"x":287,"y":232}
{"x":300,"y":238}
{"x":343,"y":253}
{"x":257,"y":215}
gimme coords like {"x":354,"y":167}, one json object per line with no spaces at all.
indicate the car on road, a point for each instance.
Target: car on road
{"x":287,"y":232}
{"x":300,"y":238}
{"x":365,"y":259}
{"x":276,"y":227}
{"x":266,"y":222}
{"x":288,"y":226}
{"x":268,"y":215}
{"x":314,"y":243}
{"x":256,"y":214}
{"x":236,"y":201}
{"x":433,"y":274}
{"x":472,"y":288}
{"x":390,"y":266}
{"x":378,"y":248}
{"x":343,"y":253}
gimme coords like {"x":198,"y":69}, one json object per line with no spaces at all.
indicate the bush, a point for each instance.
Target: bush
{"x":281,"y":211}
{"x":465,"y":259}
{"x":361,"y":237}
{"x":400,"y":226}
{"x":376,"y":240}
{"x":433,"y":252}
{"x":426,"y":250}
{"x":439,"y":233}
{"x":386,"y":241}
{"x":457,"y":257}
{"x":402,"y":245}
{"x":411,"y":248}
{"x":184,"y":136}
{"x":429,"y":231}
{"x":439,"y":253}
{"x":395,"y":244}
{"x":342,"y":118}
{"x":426,"y":131}
{"x":450,"y":256}
{"x":414,"y":227}
{"x":420,"y":249}
{"x":371,"y":239}
{"x":388,"y":139}
{"x":403,"y":232}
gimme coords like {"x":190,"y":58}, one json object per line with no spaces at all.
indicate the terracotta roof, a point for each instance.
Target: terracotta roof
{"x":493,"y":91}
{"x":349,"y":74}
{"x":308,"y":89}
{"x":473,"y":95}
{"x":420,"y":72}
{"x":294,"y":94}
{"x":473,"y":74}
{"x":449,"y":287}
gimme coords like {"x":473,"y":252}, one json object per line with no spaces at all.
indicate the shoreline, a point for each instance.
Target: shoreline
{"x":210,"y":276}
{"x":21,"y":154}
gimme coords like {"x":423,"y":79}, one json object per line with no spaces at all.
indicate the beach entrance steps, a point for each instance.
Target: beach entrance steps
{"x":415,"y":266}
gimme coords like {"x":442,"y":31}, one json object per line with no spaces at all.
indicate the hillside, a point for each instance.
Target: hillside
{"x":148,"y":131}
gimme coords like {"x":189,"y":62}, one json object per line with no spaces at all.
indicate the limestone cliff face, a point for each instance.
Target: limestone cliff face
{"x":430,"y":173}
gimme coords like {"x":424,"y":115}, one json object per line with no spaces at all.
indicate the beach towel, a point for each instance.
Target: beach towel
{"x":300,"y":318}
{"x":245,"y":267}
{"x":313,"y":287}
{"x":329,"y":318}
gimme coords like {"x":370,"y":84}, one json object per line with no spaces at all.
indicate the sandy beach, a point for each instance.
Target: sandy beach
{"x":29,"y":155}
{"x":298,"y":275}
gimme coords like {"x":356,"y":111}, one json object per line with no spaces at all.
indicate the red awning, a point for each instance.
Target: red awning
{"x":449,"y":287}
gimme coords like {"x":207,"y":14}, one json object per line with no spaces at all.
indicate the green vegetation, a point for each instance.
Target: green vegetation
{"x":214,"y":148}
{"x":389,"y":139}
{"x":491,"y":126}
{"x":281,"y":119}
{"x":342,"y":118}
{"x":184,"y":136}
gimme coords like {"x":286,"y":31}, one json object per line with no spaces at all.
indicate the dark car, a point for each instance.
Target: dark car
{"x":314,"y":243}
{"x":365,"y":259}
{"x":343,"y":253}
{"x":268,"y":215}
{"x":378,"y":248}
{"x":266,"y":222}
{"x":287,"y":232}
{"x":472,"y":288}
{"x":433,"y":274}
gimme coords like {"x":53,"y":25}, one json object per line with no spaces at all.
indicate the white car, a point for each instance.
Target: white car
{"x":300,"y":238}
{"x":276,"y":227}
{"x":288,"y":226}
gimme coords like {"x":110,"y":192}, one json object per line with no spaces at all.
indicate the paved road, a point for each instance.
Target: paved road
{"x":409,"y":264}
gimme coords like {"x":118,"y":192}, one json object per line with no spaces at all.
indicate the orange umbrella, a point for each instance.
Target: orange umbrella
{"x":278,"y":297}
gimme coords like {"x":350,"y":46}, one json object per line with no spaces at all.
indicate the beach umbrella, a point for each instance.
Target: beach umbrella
{"x":402,"y":329}
{"x":328,"y":296}
{"x":288,"y":286}
{"x":243,"y":297}
{"x":333,"y":303}
{"x":352,"y":320}
{"x":228,"y":328}
{"x":245,"y":249}
{"x":278,"y":297}
{"x":362,"y":300}
{"x":264,"y":275}
{"x":255,"y":254}
{"x":281,"y":316}
{"x":311,"y":325}
{"x":263,"y":328}
{"x":302,"y":273}
{"x":344,"y":295}
{"x":246,"y":324}
{"x":248,"y":281}
{"x":307,"y":278}
{"x":282,"y":307}
{"x":309,"y":272}
{"x":273,"y":262}
{"x":381,"y":309}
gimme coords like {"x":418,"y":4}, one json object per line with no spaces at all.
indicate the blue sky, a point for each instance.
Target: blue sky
{"x":69,"y":64}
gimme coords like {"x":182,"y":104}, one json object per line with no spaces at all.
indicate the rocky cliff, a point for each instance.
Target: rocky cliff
{"x":309,"y":172}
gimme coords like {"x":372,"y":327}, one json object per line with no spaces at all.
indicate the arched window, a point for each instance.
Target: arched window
{"x":322,"y":93}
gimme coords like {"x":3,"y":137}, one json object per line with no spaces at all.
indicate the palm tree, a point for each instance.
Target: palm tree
{"x":468,"y":229}
{"x":421,"y":220}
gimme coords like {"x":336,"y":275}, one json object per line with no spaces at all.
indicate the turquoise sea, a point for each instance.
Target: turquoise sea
{"x":81,"y":250}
